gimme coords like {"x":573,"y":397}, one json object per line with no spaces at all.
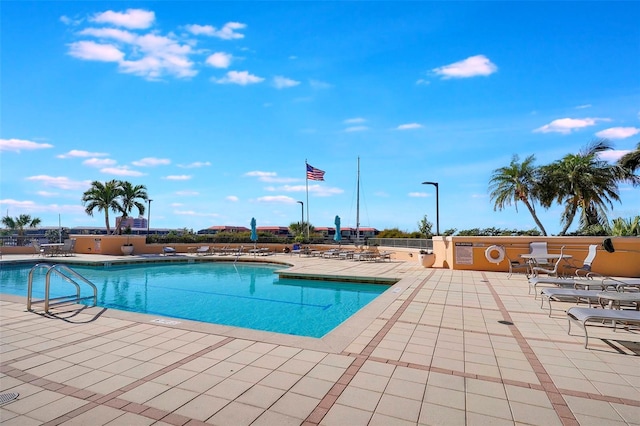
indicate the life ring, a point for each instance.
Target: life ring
{"x":494,"y":254}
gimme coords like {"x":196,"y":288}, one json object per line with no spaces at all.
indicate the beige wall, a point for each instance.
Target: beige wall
{"x":625,"y":261}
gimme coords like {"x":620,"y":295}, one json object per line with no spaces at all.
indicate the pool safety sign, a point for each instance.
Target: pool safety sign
{"x":464,"y":253}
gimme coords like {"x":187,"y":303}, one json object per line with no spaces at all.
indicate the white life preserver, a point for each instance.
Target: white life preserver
{"x":494,"y":254}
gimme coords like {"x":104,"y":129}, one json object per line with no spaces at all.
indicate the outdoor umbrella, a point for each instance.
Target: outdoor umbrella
{"x":338,"y":235}
{"x":254,"y":233}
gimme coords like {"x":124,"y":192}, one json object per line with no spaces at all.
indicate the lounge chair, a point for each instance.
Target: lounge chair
{"x":581,"y":316}
{"x":169,"y":251}
{"x":576,"y":283}
{"x":203,"y":251}
{"x":68,"y":248}
{"x":568,"y":295}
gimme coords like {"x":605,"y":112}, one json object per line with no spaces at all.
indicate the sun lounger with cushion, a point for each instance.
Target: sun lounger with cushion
{"x":581,"y":283}
{"x":203,"y":251}
{"x":607,"y":317}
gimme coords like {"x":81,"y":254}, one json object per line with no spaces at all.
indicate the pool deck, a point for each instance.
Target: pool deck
{"x":439,"y":347}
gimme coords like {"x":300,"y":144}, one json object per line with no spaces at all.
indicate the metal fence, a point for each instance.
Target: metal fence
{"x":413,"y":243}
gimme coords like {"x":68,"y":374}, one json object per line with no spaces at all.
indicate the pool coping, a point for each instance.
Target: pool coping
{"x":335,"y":341}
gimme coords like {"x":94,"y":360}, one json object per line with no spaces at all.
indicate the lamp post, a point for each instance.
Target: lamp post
{"x":302,"y":217}
{"x":149,"y":216}
{"x":437,"y":206}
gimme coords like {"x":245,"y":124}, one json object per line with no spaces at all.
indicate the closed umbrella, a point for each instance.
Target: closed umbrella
{"x":338,"y":236}
{"x":254,"y":233}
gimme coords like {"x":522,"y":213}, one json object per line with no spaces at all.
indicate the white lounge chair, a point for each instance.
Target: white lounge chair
{"x":581,"y":316}
{"x":203,"y":250}
{"x":568,"y":295}
{"x":168,"y":251}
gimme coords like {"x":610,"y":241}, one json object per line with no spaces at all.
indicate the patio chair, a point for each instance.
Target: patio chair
{"x":38,"y":249}
{"x":585,"y":270}
{"x":551,"y":272}
{"x":516,"y":265}
{"x":168,"y":251}
{"x":539,"y":253}
{"x":68,"y":247}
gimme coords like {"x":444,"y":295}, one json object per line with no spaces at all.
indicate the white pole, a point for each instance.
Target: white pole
{"x":59,"y":229}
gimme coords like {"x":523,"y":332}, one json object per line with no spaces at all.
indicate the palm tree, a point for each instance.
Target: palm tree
{"x":584,"y":184}
{"x":516,"y":182}
{"x":19,"y":223}
{"x":631,"y":162}
{"x":129,"y":199}
{"x":103,"y":197}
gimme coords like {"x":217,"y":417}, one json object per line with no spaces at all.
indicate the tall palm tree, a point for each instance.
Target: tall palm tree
{"x":631,"y":161}
{"x":584,"y":184}
{"x":129,"y":199}
{"x":19,"y":223}
{"x":103,"y":197}
{"x":516,"y":182}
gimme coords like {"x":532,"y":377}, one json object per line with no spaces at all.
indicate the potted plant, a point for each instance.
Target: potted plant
{"x":127,"y":248}
{"x":427,"y":258}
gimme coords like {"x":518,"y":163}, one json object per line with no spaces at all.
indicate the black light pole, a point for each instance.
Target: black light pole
{"x":302,"y":221}
{"x":149,"y":216}
{"x":437,"y":206}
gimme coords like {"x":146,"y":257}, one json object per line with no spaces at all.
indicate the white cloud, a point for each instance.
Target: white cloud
{"x":151,"y":161}
{"x":47,"y":194}
{"x":239,"y":77}
{"x":77,"y":153}
{"x":110,"y":33}
{"x":583,"y":106}
{"x":195,"y":165}
{"x":60,"y":182}
{"x":618,"y":132}
{"x":99,"y":162}
{"x":178,"y":177}
{"x":423,"y":82}
{"x":355,"y":120}
{"x":131,"y":18}
{"x":18,"y":145}
{"x":227,"y":32}
{"x":232,"y":198}
{"x":121,"y":171}
{"x":567,"y":125}
{"x":281,"y":82}
{"x":219,"y":60}
{"x":356,"y":129}
{"x":418,"y":194}
{"x":471,"y":67}
{"x":193,"y":213}
{"x":275,"y":199}
{"x":92,"y":51}
{"x":317,"y":84}
{"x":613,"y":155}
{"x":187,"y":193}
{"x":409,"y":126}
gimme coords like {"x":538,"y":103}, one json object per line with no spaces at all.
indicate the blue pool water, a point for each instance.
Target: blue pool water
{"x":242,"y":295}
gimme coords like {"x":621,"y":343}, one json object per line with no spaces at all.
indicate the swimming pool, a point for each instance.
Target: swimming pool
{"x":234,"y":294}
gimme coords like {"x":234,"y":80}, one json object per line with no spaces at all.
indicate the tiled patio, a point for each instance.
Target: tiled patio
{"x":439,"y":347}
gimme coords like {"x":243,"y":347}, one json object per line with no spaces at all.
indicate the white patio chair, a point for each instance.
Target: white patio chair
{"x":551,"y":272}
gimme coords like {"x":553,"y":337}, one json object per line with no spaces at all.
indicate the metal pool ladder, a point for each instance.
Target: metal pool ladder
{"x":68,"y":275}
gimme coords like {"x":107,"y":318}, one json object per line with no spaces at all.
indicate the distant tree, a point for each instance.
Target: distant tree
{"x":298,"y":228}
{"x":425,"y":227}
{"x":392,"y":233}
{"x":629,"y":227}
{"x":18,"y":224}
{"x":516,"y":182}
{"x":449,"y":232}
{"x":130,"y":197}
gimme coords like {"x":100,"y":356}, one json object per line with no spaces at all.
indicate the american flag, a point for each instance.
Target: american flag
{"x":314,"y":174}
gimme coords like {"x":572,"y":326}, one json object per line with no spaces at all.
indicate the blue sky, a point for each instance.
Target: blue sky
{"x":215,"y":106}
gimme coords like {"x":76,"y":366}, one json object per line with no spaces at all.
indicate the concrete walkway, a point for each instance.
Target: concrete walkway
{"x":439,"y":347}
